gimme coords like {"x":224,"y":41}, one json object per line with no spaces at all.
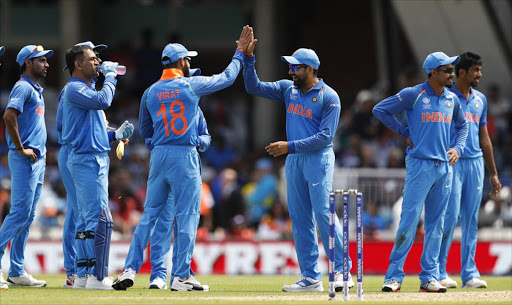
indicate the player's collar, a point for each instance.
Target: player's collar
{"x":171,"y":73}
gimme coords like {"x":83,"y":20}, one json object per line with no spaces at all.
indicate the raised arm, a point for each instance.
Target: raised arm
{"x":88,"y":98}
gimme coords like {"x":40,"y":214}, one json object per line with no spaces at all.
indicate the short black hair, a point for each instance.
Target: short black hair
{"x":170,"y":65}
{"x":24,"y":66}
{"x":74,"y":54}
{"x":467,"y":60}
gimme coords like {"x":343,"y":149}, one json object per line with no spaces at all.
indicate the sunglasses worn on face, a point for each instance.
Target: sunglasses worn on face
{"x":447,"y":70}
{"x":296,"y":68}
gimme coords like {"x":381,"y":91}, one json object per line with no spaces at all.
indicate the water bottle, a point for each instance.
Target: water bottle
{"x":121,"y":70}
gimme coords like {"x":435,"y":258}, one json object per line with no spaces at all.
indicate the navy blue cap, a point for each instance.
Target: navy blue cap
{"x":303,"y":57}
{"x":97,"y":48}
{"x":175,"y":52}
{"x":32,"y":51}
{"x":434,"y":60}
{"x":2,"y":50}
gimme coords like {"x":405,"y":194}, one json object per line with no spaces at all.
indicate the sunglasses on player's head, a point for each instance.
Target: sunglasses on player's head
{"x":447,"y":70}
{"x":296,"y":68}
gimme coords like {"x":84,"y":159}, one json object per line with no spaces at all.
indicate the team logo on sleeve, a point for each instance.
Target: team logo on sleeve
{"x":426,"y":103}
{"x":314,"y":99}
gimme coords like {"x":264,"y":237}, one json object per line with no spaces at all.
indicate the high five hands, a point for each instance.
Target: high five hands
{"x":246,"y":42}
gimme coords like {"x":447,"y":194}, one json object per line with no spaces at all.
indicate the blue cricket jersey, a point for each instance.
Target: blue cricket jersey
{"x":311,"y":118}
{"x":27,"y":97}
{"x":475,"y":110}
{"x":429,"y":119}
{"x":83,"y":120}
{"x":169,"y":107}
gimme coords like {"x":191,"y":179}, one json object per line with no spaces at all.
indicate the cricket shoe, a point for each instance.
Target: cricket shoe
{"x":80,"y":282}
{"x":305,"y":284}
{"x":70,"y":280}
{"x":190,"y":284}
{"x":124,"y":280}
{"x":448,"y":283}
{"x":432,"y":286}
{"x":158,"y":283}
{"x":475,"y":283}
{"x":25,"y":280}
{"x":4,"y":286}
{"x":338,"y":284}
{"x":392,"y":286}
{"x":2,"y":281}
{"x":94,"y":283}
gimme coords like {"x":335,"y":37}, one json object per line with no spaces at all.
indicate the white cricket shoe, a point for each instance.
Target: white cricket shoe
{"x":25,"y":280}
{"x":70,"y":280}
{"x":392,"y":286}
{"x":158,"y":283}
{"x":190,"y":284}
{"x":305,"y":284}
{"x":338,"y":284}
{"x":80,"y":282}
{"x":475,"y":283}
{"x":125,"y":280}
{"x":448,"y":283}
{"x":432,"y":286}
{"x":2,"y":281}
{"x":4,"y":286}
{"x":94,"y":283}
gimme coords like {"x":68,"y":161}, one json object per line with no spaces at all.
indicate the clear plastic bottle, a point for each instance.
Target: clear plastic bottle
{"x":121,"y":70}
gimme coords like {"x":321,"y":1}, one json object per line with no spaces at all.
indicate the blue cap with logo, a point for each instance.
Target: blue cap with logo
{"x":303,"y":57}
{"x":2,"y":50}
{"x":97,"y":48}
{"x":32,"y":51}
{"x":175,"y":52}
{"x":195,"y":72}
{"x":436,"y":59}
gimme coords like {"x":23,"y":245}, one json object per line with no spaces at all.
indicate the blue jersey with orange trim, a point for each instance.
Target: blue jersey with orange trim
{"x":169,"y":107}
{"x":27,"y":97}
{"x":83,"y":120}
{"x":429,"y":119}
{"x":311,"y":118}
{"x":475,"y":110}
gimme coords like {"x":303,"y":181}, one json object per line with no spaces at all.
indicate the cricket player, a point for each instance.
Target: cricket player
{"x":71,"y":243}
{"x":84,"y":129}
{"x":313,"y":112}
{"x":431,"y":110}
{"x":161,"y":241}
{"x":26,"y":138}
{"x":168,"y":115}
{"x":468,"y":174}
{"x":3,"y":283}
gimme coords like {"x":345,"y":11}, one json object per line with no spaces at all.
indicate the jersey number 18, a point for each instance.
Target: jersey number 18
{"x":174,"y":117}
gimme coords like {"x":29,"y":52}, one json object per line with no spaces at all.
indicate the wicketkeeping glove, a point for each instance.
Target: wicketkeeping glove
{"x":109,"y":68}
{"x":125,"y":131}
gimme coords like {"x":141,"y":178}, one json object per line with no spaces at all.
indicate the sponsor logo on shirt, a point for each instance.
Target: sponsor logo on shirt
{"x":300,"y":110}
{"x":399,"y":97}
{"x":427,"y":117}
{"x":426,"y":103}
{"x":294,"y":94}
{"x":14,"y":99}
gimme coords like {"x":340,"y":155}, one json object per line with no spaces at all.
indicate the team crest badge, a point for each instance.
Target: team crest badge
{"x":314,"y":99}
{"x":477,"y":106}
{"x":448,"y":104}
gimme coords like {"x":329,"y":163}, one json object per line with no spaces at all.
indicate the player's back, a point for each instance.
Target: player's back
{"x":173,"y":109}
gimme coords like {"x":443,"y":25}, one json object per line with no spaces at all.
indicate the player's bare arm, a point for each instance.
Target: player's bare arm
{"x":488,"y":154}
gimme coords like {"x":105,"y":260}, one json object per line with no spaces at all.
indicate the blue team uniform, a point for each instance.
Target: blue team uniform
{"x":467,"y":188}
{"x":84,"y":130}
{"x":167,"y":114}
{"x":428,"y":174}
{"x":26,"y":177}
{"x":161,"y":238}
{"x":311,"y":122}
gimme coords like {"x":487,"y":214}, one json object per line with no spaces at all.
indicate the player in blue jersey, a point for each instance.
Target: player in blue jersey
{"x":468,"y":174}
{"x":26,"y":138}
{"x":84,"y":129}
{"x":3,"y":283}
{"x":313,"y":112}
{"x":430,"y":109}
{"x":168,"y":115}
{"x":69,"y":242}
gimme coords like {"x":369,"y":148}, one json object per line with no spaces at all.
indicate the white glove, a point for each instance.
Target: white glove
{"x":125,"y":131}
{"x":109,"y":68}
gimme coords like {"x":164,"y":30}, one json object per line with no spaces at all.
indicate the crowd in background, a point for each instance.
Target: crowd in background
{"x":242,"y":188}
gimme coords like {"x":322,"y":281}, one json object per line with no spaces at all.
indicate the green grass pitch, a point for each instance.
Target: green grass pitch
{"x":257,"y":289}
